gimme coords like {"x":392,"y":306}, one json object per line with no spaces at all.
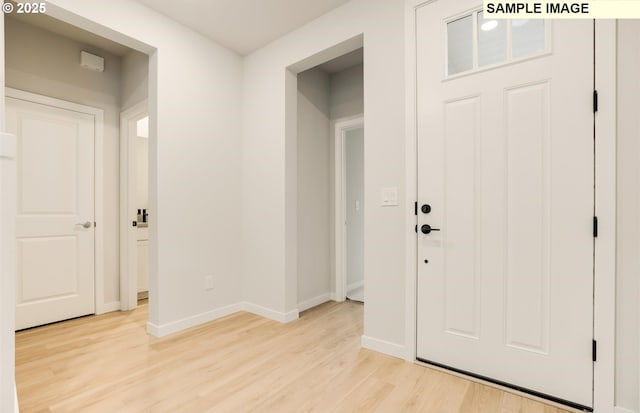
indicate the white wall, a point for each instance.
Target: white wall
{"x":313,"y":258}
{"x":41,"y":62}
{"x":267,"y":278}
{"x":142,"y":172}
{"x":628,"y":226}
{"x":7,"y":268}
{"x":194,"y":156}
{"x":347,"y":93}
{"x":7,"y":261}
{"x":354,"y":155}
{"x":135,"y":79}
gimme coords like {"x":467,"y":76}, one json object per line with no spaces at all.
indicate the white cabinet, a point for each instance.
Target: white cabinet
{"x":142,"y":233}
{"x":143,"y":265}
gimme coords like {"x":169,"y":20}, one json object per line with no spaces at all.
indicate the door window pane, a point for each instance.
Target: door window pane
{"x":459,"y":45}
{"x":492,"y":41}
{"x":474,"y":42}
{"x":527,"y":37}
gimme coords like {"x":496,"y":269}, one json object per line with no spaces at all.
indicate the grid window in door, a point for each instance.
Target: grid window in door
{"x":475,"y":42}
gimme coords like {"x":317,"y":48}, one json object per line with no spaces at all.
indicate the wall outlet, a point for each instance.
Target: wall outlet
{"x":208,"y":283}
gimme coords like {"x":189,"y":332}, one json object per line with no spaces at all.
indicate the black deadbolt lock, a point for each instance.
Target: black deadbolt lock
{"x":426,"y":208}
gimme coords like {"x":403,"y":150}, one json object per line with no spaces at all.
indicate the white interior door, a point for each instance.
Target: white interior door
{"x":55,"y":212}
{"x":505,"y":141}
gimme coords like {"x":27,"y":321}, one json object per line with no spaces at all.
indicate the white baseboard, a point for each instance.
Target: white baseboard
{"x":108,"y":307}
{"x":315,"y":301}
{"x":381,"y":346}
{"x":179,"y":325}
{"x":355,"y":285}
{"x":270,"y":314}
{"x":623,"y":410}
{"x":175,"y":326}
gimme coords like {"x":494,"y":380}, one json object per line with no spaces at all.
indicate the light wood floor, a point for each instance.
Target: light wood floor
{"x":242,"y":363}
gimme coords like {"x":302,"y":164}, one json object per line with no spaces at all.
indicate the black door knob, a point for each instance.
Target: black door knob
{"x":426,"y":208}
{"x":426,"y":229}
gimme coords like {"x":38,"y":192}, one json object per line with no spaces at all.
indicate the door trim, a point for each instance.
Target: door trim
{"x":340,"y":231}
{"x":7,"y":266}
{"x":98,"y":114}
{"x":605,"y":210}
{"x":605,"y":202}
{"x":128,"y":240}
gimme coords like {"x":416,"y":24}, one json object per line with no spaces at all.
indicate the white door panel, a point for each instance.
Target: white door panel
{"x":506,"y":163}
{"x":55,"y":198}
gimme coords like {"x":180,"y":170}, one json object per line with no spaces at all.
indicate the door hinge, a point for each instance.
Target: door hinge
{"x":595,"y":227}
{"x":594,"y":350}
{"x":595,"y":101}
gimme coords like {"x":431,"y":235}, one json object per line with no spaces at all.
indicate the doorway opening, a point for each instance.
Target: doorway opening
{"x":349,"y":210}
{"x":62,"y":67}
{"x":134,"y":205}
{"x":330,"y":183}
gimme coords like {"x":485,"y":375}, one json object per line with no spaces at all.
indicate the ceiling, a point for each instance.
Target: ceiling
{"x":243,"y":25}
{"x":72,"y":32}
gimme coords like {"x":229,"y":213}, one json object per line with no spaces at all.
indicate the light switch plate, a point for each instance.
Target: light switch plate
{"x":389,"y":197}
{"x":7,"y":146}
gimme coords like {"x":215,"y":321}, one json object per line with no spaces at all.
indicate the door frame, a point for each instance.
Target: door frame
{"x":605,"y":202}
{"x":340,"y":199}
{"x":128,"y":235}
{"x":8,"y":392}
{"x":100,"y":306}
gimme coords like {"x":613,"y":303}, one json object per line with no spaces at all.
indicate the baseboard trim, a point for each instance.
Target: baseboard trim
{"x":271,"y":314}
{"x":108,"y":307}
{"x":188,"y":322}
{"x":623,"y":410}
{"x":315,"y":301}
{"x":381,"y":346}
{"x":179,"y":325}
{"x":355,"y":285}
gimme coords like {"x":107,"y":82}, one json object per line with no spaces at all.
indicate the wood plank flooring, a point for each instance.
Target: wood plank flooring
{"x":242,"y":363}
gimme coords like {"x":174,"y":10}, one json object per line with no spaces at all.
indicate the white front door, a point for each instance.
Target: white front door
{"x":55,"y":212}
{"x":506,"y":167}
